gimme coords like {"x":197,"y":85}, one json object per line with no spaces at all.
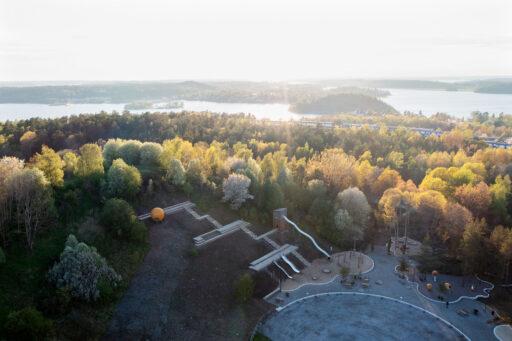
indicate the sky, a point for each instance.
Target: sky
{"x":253,"y":40}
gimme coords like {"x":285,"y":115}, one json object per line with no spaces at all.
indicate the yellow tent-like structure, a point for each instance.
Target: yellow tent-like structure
{"x":157,"y":214}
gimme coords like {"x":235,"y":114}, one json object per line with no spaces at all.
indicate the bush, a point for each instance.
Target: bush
{"x":28,"y":324}
{"x":56,"y":302}
{"x":118,"y":217}
{"x":81,"y":269}
{"x":193,"y":252}
{"x":244,"y":288}
{"x":138,"y":232}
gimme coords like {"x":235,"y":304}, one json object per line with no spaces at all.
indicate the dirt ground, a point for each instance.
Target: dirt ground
{"x":178,"y":294}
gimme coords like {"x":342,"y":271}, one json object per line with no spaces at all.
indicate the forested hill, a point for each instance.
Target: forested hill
{"x":342,"y":103}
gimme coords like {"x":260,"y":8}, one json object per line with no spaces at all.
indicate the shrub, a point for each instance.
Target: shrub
{"x":81,"y":269}
{"x":118,"y":217}
{"x":28,"y":324}
{"x":193,"y":252}
{"x":138,"y":232}
{"x":244,"y":288}
{"x":56,"y":302}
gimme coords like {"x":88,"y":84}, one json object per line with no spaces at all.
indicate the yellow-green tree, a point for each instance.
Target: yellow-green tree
{"x":51,"y":164}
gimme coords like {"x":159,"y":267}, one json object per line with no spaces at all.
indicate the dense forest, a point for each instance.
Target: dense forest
{"x":230,"y":92}
{"x":123,"y":92}
{"x":334,"y":104}
{"x":69,"y":188}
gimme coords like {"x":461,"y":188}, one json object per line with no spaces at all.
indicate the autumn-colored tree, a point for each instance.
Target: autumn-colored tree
{"x":389,"y":178}
{"x":474,"y":247}
{"x":454,"y":220}
{"x":476,"y":198}
{"x":429,"y":207}
{"x":501,"y":239}
{"x":336,"y":168}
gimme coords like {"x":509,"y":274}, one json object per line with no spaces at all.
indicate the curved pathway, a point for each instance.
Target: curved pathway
{"x":356,"y":316}
{"x":384,"y":281}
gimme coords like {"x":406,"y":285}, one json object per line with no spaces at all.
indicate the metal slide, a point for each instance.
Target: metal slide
{"x":283,"y":270}
{"x":289,"y":262}
{"x":307,"y":236}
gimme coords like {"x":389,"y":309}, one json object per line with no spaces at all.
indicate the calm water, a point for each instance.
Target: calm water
{"x":455,"y":103}
{"x":459,"y":104}
{"x":12,"y":111}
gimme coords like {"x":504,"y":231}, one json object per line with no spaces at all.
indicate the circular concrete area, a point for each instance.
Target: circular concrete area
{"x":356,"y":262}
{"x":351,"y":316}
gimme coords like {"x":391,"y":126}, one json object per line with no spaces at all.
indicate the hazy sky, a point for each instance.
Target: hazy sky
{"x":261,"y":39}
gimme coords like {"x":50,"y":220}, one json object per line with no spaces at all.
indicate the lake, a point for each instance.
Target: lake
{"x":12,"y":111}
{"x":459,"y":104}
{"x":455,"y":103}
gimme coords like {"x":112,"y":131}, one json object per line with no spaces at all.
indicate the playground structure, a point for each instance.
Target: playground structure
{"x":281,"y":221}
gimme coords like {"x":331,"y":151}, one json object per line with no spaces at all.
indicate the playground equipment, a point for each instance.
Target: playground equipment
{"x":282,"y":269}
{"x":289,"y":262}
{"x":306,"y":235}
{"x":157,"y":214}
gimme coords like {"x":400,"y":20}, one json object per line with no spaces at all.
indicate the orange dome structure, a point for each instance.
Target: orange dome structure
{"x":157,"y":214}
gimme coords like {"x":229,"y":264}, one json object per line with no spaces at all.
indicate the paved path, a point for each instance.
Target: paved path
{"x":476,"y":327}
{"x":354,"y":316}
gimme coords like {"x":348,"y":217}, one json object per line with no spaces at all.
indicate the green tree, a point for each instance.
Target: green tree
{"x":70,"y":162}
{"x":500,"y":192}
{"x":150,"y":153}
{"x":129,"y":151}
{"x":194,"y":173}
{"x":82,"y":271}
{"x":51,"y":164}
{"x":272,"y":197}
{"x":119,"y":218}
{"x":123,"y":181}
{"x":28,"y":324}
{"x":90,"y":161}
{"x":111,"y":151}
{"x":176,"y":173}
